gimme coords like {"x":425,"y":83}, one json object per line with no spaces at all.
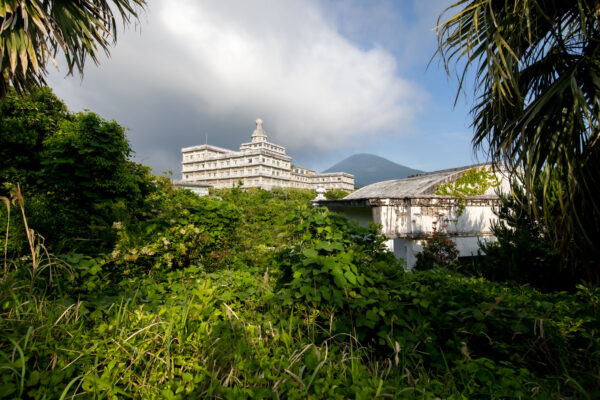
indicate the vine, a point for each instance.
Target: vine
{"x":473,"y":182}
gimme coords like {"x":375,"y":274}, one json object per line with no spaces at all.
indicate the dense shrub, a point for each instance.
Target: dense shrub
{"x":25,"y":122}
{"x":179,"y":229}
{"x":335,"y":194}
{"x":330,"y":314}
{"x":256,"y":294}
{"x":73,"y":169}
{"x":438,"y":251}
{"x":524,"y":252}
{"x":264,"y":212}
{"x":339,"y":268}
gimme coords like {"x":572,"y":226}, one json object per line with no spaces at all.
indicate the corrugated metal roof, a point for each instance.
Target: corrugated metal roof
{"x":413,"y":186}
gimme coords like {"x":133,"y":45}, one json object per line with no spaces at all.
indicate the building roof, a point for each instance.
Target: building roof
{"x":207,"y":147}
{"x":414,"y":186}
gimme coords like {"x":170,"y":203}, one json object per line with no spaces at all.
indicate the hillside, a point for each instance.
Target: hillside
{"x":369,"y":168}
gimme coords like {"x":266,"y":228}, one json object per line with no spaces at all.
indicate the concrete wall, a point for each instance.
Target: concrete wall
{"x":419,"y":217}
{"x":200,"y":191}
{"x":408,"y":222}
{"x":408,"y":248}
{"x":363,"y":214}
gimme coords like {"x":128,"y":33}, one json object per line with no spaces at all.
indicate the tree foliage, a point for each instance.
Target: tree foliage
{"x":25,"y":122}
{"x":74,"y":169}
{"x":336,"y":194}
{"x":524,"y":252}
{"x":537,"y":87}
{"x":33,"y":31}
{"x":438,"y":251}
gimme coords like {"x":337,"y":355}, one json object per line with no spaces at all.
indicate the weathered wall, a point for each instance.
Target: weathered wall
{"x":417,"y":218}
{"x":408,"y":222}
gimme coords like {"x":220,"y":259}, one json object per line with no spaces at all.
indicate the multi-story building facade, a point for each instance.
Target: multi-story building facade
{"x":257,"y":164}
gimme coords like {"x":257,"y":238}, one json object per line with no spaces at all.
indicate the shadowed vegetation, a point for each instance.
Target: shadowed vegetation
{"x":537,"y":105}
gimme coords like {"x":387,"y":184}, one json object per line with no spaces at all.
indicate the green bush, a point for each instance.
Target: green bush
{"x":438,"y":251}
{"x":181,"y":229}
{"x":25,"y":122}
{"x":324,"y":312}
{"x":335,"y":194}
{"x":340,"y":268}
{"x":75,"y":175}
{"x":257,"y":294}
{"x":524,"y":252}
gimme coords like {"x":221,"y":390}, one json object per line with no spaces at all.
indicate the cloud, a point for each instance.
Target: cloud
{"x":211,"y":68}
{"x":282,"y":59}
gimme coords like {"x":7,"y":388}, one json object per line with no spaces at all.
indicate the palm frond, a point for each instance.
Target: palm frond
{"x":537,"y":90}
{"x":33,"y":31}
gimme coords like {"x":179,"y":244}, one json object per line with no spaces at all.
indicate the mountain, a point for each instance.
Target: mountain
{"x":369,"y":168}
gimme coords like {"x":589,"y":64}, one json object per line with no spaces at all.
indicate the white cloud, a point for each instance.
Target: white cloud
{"x":283,"y":62}
{"x":233,"y":61}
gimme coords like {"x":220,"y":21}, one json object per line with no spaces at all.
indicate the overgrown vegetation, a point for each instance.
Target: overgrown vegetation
{"x":524,"y":241}
{"x":438,"y":251}
{"x":252,"y":294}
{"x":473,"y":182}
{"x":74,"y":170}
{"x":536,"y":105}
{"x":335,"y":194}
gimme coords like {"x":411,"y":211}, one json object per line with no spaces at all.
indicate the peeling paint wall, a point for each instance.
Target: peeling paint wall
{"x":419,"y":217}
{"x":408,"y":222}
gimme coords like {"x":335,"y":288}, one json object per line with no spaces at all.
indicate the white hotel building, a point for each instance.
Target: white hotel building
{"x":257,"y":164}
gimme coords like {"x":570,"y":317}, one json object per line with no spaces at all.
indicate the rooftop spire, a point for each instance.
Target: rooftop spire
{"x":259,"y":135}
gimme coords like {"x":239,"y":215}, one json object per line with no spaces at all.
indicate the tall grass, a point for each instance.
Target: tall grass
{"x":7,"y":204}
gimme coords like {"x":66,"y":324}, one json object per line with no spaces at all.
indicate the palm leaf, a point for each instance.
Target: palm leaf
{"x":32,"y":32}
{"x":537,"y":103}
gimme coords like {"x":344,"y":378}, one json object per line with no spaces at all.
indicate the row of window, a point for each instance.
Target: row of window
{"x":270,"y":182}
{"x":268,"y":146}
{"x":224,"y":174}
{"x":227,"y":163}
{"x":265,"y":171}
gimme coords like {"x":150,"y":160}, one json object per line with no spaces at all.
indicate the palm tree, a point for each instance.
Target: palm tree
{"x":536,"y":66}
{"x":33,"y":31}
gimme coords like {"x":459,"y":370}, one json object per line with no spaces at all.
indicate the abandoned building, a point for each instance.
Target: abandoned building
{"x":459,"y":201}
{"x":259,"y":163}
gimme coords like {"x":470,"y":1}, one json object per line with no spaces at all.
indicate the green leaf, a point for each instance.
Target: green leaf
{"x":350,"y":277}
{"x":311,"y":254}
{"x":321,"y":245}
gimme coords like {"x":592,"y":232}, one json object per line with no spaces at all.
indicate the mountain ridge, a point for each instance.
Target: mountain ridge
{"x":370,"y":168}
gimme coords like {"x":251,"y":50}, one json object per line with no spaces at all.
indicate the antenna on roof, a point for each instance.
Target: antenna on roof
{"x":205,"y":138}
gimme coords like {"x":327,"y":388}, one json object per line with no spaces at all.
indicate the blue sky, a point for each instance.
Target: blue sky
{"x":329,"y":78}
